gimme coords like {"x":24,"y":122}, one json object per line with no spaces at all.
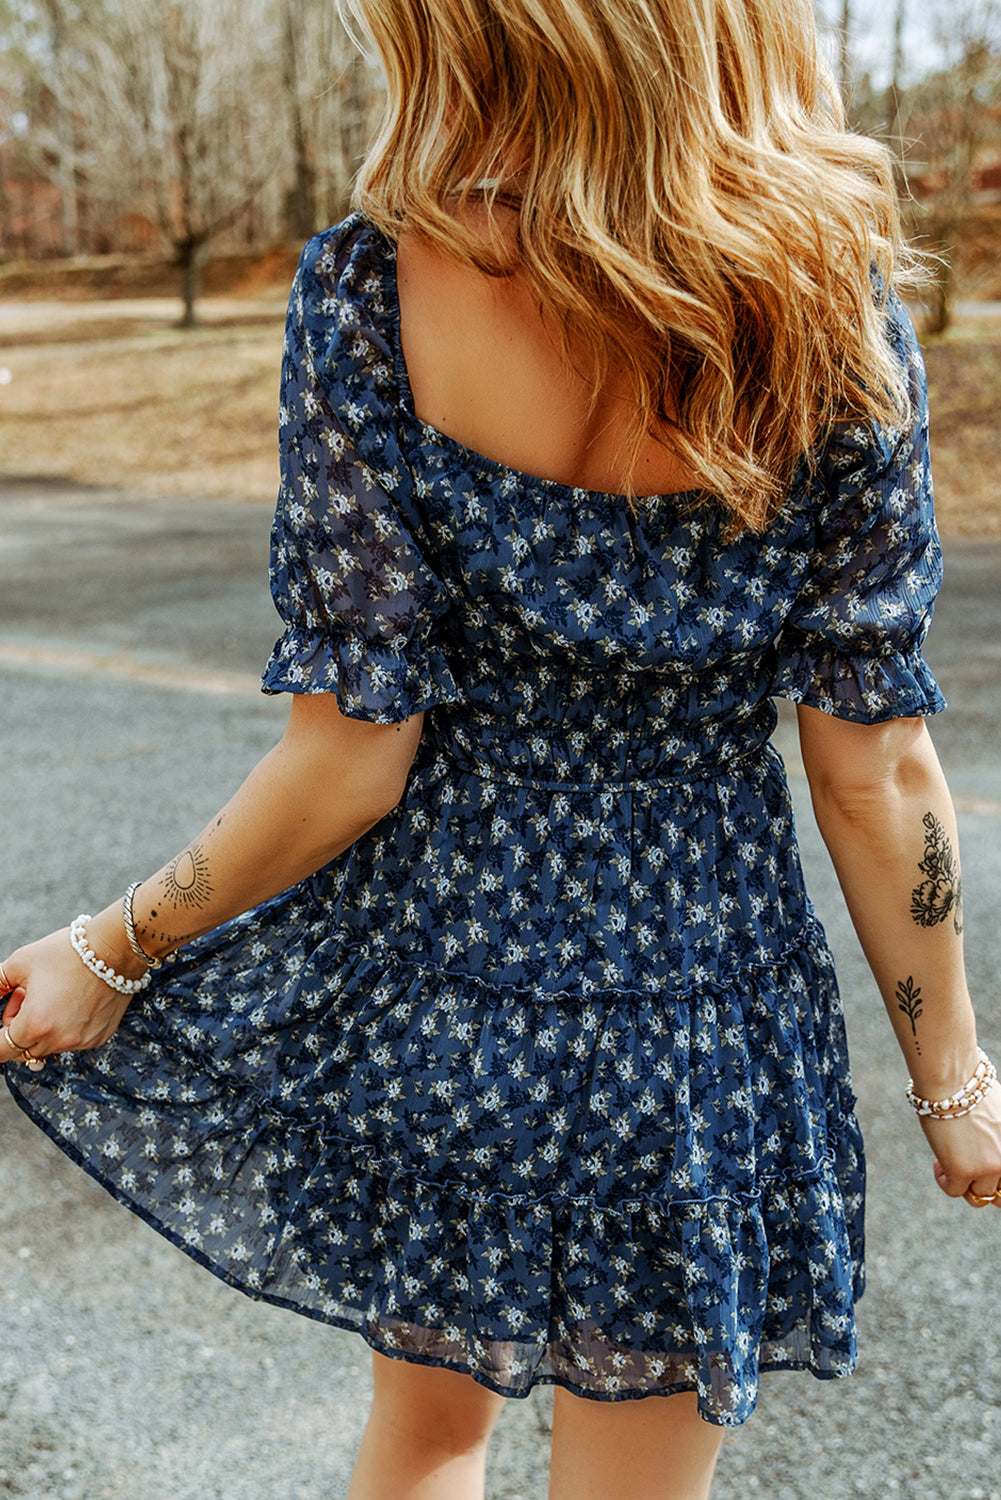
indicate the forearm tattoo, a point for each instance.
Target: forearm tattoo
{"x":940,"y":894}
{"x":185,"y":886}
{"x":910,"y":1001}
{"x":186,"y":881}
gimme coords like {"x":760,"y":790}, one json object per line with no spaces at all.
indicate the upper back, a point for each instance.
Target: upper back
{"x":486,"y":368}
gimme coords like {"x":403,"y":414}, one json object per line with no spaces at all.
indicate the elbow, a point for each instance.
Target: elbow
{"x":375,"y":786}
{"x":880,"y":768}
{"x":370,"y":799}
{"x":858,"y":806}
{"x":337,"y":821}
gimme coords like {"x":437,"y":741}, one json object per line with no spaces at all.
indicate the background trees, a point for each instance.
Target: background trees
{"x":951,"y":128}
{"x":134,"y":124}
{"x":179,"y":105}
{"x":145,"y":125}
{"x":925,"y":75}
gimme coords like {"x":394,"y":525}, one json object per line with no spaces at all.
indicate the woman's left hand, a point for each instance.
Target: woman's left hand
{"x":52,"y":1003}
{"x":968,"y":1152}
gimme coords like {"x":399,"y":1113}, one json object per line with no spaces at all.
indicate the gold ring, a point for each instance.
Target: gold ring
{"x":978,"y":1200}
{"x":7,"y":986}
{"x":12,"y":1044}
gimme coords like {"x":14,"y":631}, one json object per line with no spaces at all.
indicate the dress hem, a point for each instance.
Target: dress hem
{"x":337,"y":1320}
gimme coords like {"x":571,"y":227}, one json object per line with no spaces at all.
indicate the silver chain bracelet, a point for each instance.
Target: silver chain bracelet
{"x":128,"y":916}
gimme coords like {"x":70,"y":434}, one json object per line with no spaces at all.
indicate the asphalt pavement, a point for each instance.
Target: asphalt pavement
{"x":131,"y":639}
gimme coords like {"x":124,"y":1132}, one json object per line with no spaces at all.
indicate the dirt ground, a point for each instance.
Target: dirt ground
{"x":112,"y":393}
{"x":964,"y":391}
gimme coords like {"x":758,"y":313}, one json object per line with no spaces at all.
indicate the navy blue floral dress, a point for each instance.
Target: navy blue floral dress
{"x":545,"y":1078}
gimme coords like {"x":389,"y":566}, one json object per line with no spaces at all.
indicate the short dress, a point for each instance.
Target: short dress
{"x":544,"y":1079}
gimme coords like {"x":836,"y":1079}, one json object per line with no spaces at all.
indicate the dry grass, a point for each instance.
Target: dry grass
{"x":130,"y":401}
{"x":112,"y":394}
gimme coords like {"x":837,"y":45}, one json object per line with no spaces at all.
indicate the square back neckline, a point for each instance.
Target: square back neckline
{"x":388,"y":276}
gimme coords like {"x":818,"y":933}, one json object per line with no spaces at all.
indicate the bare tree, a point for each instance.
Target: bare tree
{"x":37,"y":38}
{"x":951,"y":115}
{"x":181,"y":100}
{"x":332,"y":91}
{"x":895,"y":94}
{"x":844,"y":55}
{"x":60,"y":17}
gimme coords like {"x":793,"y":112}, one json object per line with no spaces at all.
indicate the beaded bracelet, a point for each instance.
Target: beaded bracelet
{"x":78,"y":937}
{"x":963,"y":1100}
{"x":128,"y":917}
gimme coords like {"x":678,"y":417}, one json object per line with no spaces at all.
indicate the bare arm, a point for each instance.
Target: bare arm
{"x":327,"y":781}
{"x":886,"y":816}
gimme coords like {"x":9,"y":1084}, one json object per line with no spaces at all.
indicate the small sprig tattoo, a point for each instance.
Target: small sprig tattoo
{"x":910,"y":1001}
{"x":940,"y":894}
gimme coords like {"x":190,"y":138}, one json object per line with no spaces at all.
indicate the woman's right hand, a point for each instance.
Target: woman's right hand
{"x":52,"y":1003}
{"x":968,"y":1151}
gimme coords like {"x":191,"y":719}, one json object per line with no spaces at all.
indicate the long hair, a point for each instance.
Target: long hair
{"x":690,"y":207}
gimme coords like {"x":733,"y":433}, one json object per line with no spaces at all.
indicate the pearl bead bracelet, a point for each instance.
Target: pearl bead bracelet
{"x":78,"y":937}
{"x":963,"y":1100}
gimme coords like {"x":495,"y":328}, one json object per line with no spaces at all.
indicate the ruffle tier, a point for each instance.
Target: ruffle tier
{"x":381,"y":683}
{"x":620,"y":1193}
{"x":867,"y":689}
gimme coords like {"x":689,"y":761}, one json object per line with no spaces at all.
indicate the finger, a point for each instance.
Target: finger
{"x":15,"y":1000}
{"x":979,"y":1194}
{"x":12,"y":993}
{"x":9,"y":1050}
{"x":13,"y":1049}
{"x":954,"y":1187}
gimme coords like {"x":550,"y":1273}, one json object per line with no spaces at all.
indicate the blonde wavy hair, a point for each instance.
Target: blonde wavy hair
{"x":690,"y":207}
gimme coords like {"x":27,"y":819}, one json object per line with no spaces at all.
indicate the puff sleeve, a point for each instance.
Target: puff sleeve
{"x":362,"y":607}
{"x":852,"y":642}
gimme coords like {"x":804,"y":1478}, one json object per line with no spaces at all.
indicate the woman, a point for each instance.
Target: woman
{"x":490,"y":1017}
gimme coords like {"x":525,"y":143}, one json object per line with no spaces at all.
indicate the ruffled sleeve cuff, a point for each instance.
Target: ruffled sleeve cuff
{"x":371,"y":681}
{"x":867,"y":689}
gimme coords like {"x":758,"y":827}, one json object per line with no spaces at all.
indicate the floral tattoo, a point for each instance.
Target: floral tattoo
{"x":940,"y":894}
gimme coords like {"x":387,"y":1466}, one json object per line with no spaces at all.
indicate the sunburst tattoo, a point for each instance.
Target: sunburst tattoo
{"x":186,"y":882}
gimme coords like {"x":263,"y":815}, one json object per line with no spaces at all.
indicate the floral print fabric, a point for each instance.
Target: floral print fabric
{"x":545,"y":1078}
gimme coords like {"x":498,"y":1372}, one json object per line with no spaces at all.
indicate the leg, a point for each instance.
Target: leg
{"x":426,"y":1435}
{"x":649,"y":1448}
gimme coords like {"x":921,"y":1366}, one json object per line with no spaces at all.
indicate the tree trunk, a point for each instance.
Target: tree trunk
{"x":843,"y":59}
{"x":63,"y":131}
{"x":302,"y":198}
{"x":190,"y":254}
{"x":941,"y":241}
{"x":66,"y":178}
{"x":895,"y":97}
{"x":6,"y":216}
